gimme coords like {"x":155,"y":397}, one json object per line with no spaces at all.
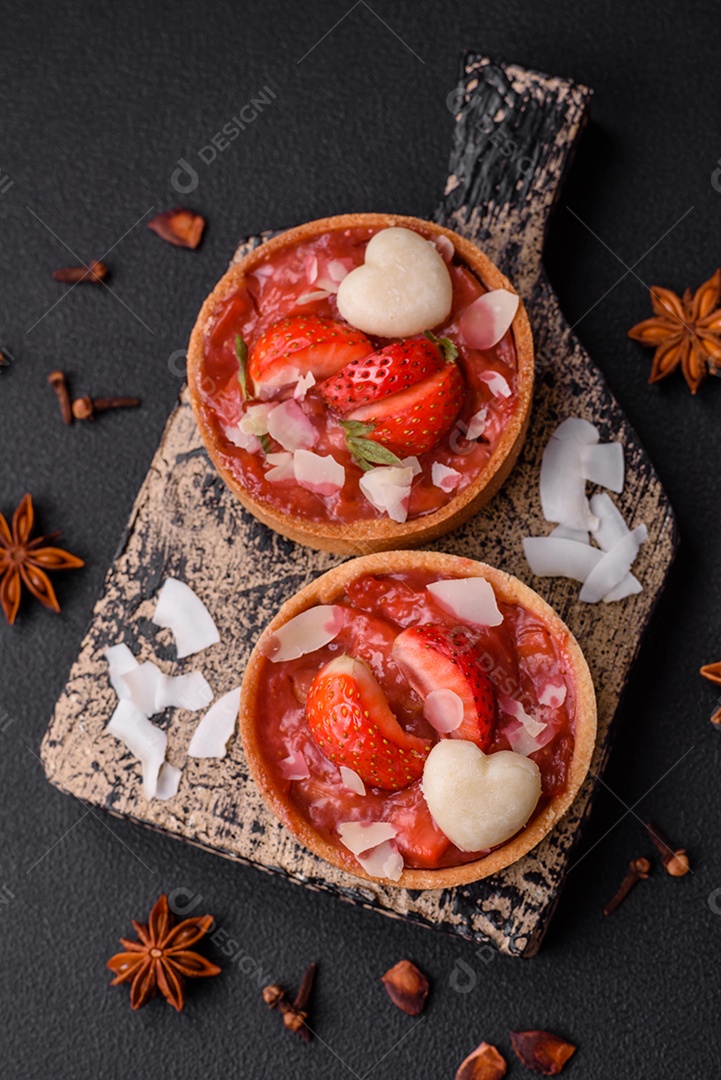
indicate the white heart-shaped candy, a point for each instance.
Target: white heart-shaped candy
{"x":403,"y":287}
{"x":479,"y":800}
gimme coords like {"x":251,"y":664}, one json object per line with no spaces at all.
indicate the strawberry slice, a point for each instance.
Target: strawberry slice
{"x":395,"y":368}
{"x":434,"y":657}
{"x":414,"y":420}
{"x":300,"y":344}
{"x":352,"y":724}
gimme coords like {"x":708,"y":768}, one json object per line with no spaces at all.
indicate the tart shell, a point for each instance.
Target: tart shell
{"x":379,"y":534}
{"x":327,"y":589}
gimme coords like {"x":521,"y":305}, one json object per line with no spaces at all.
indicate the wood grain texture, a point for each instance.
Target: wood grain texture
{"x":513,"y":136}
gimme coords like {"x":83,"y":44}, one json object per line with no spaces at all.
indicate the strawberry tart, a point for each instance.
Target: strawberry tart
{"x":362,"y":382}
{"x":418,"y":718}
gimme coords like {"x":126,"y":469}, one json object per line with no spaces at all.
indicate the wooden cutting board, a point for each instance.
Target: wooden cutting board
{"x":514,"y":134}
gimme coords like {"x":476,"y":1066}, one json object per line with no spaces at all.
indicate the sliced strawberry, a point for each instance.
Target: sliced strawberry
{"x":300,"y":344}
{"x":414,"y":420}
{"x":352,"y":724}
{"x":395,"y":368}
{"x":434,"y":657}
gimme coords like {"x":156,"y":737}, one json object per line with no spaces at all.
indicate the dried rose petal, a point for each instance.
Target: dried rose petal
{"x":407,"y":987}
{"x":94,"y":272}
{"x":179,"y":226}
{"x":541,"y":1051}
{"x":485,"y":1063}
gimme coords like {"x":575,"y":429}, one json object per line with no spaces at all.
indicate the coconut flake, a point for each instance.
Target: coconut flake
{"x":311,"y":269}
{"x":497,"y":384}
{"x":311,"y":297}
{"x":486,"y":320}
{"x":294,"y":767}
{"x":384,"y":861}
{"x":238,"y":437}
{"x":603,"y":464}
{"x":578,"y":429}
{"x":514,"y":708}
{"x":611,"y":525}
{"x":289,"y":426}
{"x":566,"y":532}
{"x":412,"y":463}
{"x":151,"y":691}
{"x":143,"y":739}
{"x":445,"y":247}
{"x":551,"y":556}
{"x":283,"y":467}
{"x":351,"y":780}
{"x":630,"y":586}
{"x":563,"y":484}
{"x":470,"y":599}
{"x":613,"y":566}
{"x":303,"y":386}
{"x":213,"y":733}
{"x":120,"y":662}
{"x":360,"y":836}
{"x":476,"y":425}
{"x":521,"y":742}
{"x":255,"y":418}
{"x":168,"y":781}
{"x":443,"y":709}
{"x":339,"y":268}
{"x":322,"y":475}
{"x":305,"y":633}
{"x":186,"y":616}
{"x":553,"y":695}
{"x":388,"y":488}
{"x":445,"y":478}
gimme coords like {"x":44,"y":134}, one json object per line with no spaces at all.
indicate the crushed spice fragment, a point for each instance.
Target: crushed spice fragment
{"x":485,"y":1063}
{"x":294,"y":1012}
{"x":180,"y":227}
{"x":95,"y":272}
{"x":58,"y":381}
{"x":25,"y":562}
{"x":4,"y":359}
{"x":685,"y":331}
{"x":675,"y":860}
{"x":407,"y":987}
{"x":542,"y":1051}
{"x":162,"y":959}
{"x":638,"y":870}
{"x":86,"y":408}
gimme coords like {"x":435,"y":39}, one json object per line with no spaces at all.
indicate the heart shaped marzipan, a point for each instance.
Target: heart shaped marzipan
{"x":479,"y":800}
{"x":403,"y":287}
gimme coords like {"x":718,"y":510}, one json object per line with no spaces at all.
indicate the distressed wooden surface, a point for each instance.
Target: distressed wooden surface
{"x":513,"y":136}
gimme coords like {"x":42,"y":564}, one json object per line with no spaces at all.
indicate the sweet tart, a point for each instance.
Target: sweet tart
{"x":418,"y":718}
{"x":362,"y":382}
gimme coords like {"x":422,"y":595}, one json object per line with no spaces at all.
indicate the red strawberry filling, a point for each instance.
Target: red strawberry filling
{"x":358,"y":703}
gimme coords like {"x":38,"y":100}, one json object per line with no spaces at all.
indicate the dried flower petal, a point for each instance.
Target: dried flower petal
{"x":94,"y":272}
{"x":485,"y":1063}
{"x":407,"y":987}
{"x":180,"y":227}
{"x":541,"y":1051}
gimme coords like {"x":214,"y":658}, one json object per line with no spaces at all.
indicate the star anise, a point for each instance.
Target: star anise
{"x":162,"y":959}
{"x":25,"y":562}
{"x":686,"y":332}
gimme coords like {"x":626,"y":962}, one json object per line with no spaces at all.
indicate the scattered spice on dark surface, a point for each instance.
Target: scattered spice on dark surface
{"x":542,"y":1051}
{"x":25,"y":562}
{"x":407,"y":987}
{"x":162,"y":959}
{"x":180,"y":227}
{"x":675,"y":860}
{"x":294,"y":1013}
{"x":485,"y":1063}
{"x":86,"y":408}
{"x":58,"y":381}
{"x":712,"y":672}
{"x":94,"y":272}
{"x":638,"y":870}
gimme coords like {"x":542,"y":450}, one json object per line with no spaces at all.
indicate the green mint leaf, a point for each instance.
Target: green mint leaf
{"x":449,"y":349}
{"x":355,"y":428}
{"x":265,"y":444}
{"x":375,"y":452}
{"x":241,"y":351}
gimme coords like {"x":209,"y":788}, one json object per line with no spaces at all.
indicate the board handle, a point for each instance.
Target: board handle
{"x":513,"y":140}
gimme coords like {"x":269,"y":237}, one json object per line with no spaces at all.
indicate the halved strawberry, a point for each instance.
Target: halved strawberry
{"x":395,"y":368}
{"x":434,"y":657}
{"x":300,"y":344}
{"x":352,"y":724}
{"x":414,"y":420}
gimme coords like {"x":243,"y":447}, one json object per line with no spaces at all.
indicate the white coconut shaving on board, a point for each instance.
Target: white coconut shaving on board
{"x":186,"y":616}
{"x":213,"y":733}
{"x":574,"y":457}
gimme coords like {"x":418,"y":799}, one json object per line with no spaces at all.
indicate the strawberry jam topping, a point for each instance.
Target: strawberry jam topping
{"x":289,"y":322}
{"x":353,"y":704}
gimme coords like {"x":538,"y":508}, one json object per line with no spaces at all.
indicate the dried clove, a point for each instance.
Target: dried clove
{"x":58,"y":381}
{"x":541,"y":1051}
{"x":180,"y":227}
{"x":638,"y":870}
{"x":407,"y":987}
{"x":485,"y":1063}
{"x":675,"y":861}
{"x":85,"y":408}
{"x":94,"y":272}
{"x":294,"y":1013}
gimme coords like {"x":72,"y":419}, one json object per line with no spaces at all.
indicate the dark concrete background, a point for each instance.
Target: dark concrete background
{"x":98,"y":104}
